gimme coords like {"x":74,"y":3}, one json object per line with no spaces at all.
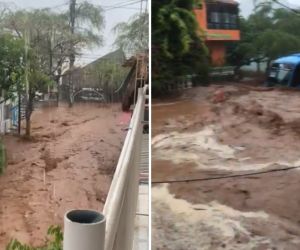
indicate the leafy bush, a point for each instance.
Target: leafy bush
{"x":54,"y":244}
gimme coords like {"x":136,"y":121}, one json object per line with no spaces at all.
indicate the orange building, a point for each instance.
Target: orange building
{"x":218,"y":20}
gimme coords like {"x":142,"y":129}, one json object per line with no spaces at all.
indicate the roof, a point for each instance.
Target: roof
{"x":117,"y":56}
{"x":291,"y":59}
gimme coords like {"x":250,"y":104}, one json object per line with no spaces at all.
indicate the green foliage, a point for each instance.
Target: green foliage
{"x":133,"y":36}
{"x":54,"y":232}
{"x":177,"y":48}
{"x":110,"y":74}
{"x":274,"y":43}
{"x":38,"y":44}
{"x":11,"y":63}
{"x":266,"y":35}
{"x":50,"y":36}
{"x":174,"y":26}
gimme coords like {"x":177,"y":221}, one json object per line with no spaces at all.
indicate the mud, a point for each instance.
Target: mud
{"x":220,"y":130}
{"x":67,"y":164}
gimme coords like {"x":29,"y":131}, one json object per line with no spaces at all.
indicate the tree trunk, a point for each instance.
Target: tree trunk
{"x":28,"y":126}
{"x":238,"y":73}
{"x":257,"y":66}
{"x":268,"y":64}
{"x":29,"y":110}
{"x":58,"y":92}
{"x":57,"y":79}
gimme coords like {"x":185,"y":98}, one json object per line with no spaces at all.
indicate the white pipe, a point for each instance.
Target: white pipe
{"x":84,"y":230}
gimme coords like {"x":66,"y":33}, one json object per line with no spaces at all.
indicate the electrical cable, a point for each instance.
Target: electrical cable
{"x":287,"y":7}
{"x":116,"y":7}
{"x":118,"y":4}
{"x":226,"y":176}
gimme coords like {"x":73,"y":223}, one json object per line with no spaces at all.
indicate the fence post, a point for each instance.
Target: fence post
{"x":84,"y":230}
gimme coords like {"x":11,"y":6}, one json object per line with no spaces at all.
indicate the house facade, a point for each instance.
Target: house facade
{"x":104,"y":74}
{"x":218,"y":20}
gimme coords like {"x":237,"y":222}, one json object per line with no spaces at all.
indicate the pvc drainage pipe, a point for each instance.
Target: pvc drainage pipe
{"x":84,"y":230}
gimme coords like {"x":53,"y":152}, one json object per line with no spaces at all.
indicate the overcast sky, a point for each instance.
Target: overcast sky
{"x":112,"y":17}
{"x":247,"y":6}
{"x":116,"y":15}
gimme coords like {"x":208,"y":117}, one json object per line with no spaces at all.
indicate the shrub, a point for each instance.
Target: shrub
{"x":55,"y":243}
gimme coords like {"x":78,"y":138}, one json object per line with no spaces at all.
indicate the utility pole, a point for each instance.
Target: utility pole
{"x":72,"y":52}
{"x":27,"y":84}
{"x":19,"y":110}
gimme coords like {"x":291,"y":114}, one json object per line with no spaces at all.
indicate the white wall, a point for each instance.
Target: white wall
{"x":5,"y":125}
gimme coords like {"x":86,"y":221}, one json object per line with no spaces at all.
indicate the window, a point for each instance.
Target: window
{"x":222,"y":16}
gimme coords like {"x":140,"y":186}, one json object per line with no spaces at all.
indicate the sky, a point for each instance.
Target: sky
{"x":247,"y":6}
{"x":112,"y":17}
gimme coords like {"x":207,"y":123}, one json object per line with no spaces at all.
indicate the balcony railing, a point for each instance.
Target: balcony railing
{"x":114,"y":229}
{"x":121,"y":203}
{"x":222,"y":26}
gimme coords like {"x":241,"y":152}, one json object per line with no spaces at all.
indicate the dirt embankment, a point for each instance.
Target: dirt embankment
{"x":68,"y":164}
{"x":217,"y":130}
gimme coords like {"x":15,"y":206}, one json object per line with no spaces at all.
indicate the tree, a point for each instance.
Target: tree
{"x":55,"y":37}
{"x":35,"y":81}
{"x":50,"y":42}
{"x":85,"y":22}
{"x":275,"y":43}
{"x":110,"y":76}
{"x":47,"y":34}
{"x":267,"y":34}
{"x":11,"y":64}
{"x":133,"y":36}
{"x":177,"y":47}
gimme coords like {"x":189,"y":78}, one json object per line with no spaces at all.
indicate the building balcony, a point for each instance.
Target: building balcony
{"x":219,"y":20}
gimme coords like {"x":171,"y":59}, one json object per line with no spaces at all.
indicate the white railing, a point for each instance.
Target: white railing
{"x":114,"y":229}
{"x":121,"y":203}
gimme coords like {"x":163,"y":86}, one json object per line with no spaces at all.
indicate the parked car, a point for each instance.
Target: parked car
{"x":285,"y":71}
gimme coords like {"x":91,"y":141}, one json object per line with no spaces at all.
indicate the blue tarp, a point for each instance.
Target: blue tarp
{"x":291,"y":59}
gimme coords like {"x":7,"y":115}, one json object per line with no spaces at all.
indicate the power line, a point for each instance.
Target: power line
{"x":118,"y":4}
{"x":116,"y":7}
{"x":226,"y":176}
{"x":51,"y":7}
{"x":287,"y":7}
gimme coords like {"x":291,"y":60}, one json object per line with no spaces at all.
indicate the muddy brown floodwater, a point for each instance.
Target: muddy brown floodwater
{"x":68,"y":164}
{"x":217,"y":130}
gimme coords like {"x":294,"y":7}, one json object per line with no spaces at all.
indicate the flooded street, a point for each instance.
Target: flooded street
{"x":211,"y":132}
{"x":68,"y":163}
